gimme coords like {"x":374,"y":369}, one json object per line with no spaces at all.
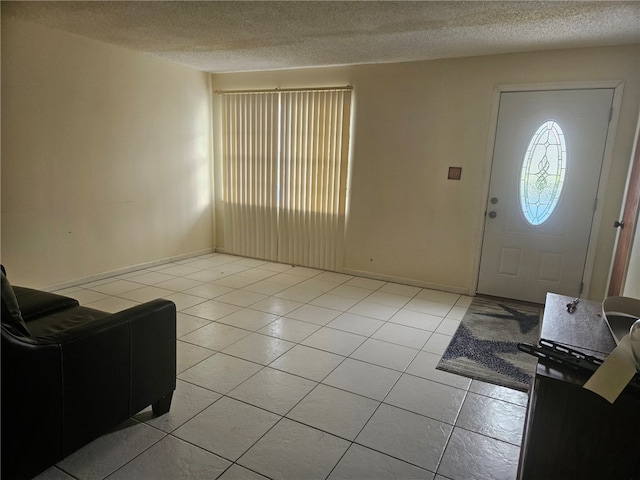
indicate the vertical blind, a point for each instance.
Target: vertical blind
{"x":250,"y":174}
{"x":284,"y":163}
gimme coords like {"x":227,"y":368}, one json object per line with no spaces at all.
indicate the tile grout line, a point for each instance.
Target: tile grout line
{"x":298,"y":342}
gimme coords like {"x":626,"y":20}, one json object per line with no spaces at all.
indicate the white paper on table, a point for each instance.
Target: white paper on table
{"x":615,"y":373}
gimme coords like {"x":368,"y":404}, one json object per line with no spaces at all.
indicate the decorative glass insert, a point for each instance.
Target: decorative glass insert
{"x":543,"y":171}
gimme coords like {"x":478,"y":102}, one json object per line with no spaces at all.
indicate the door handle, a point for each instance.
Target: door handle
{"x":617,"y":224}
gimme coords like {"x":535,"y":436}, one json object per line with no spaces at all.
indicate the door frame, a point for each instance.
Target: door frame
{"x":628,"y":214}
{"x":617,"y":87}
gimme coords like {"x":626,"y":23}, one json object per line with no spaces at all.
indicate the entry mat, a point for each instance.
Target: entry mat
{"x":485,"y":346}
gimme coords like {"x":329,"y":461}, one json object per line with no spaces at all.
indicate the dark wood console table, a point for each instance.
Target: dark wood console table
{"x":570,"y":432}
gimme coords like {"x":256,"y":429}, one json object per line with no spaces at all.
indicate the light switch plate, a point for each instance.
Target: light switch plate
{"x":455,"y":173}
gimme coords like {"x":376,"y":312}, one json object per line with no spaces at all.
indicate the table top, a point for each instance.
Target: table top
{"x":584,"y":330}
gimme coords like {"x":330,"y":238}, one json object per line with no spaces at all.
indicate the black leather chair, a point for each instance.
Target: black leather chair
{"x":72,"y":373}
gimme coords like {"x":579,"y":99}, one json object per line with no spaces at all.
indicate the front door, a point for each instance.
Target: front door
{"x":547,"y":160}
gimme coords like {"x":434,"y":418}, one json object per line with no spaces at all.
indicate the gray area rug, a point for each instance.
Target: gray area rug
{"x":485,"y":346}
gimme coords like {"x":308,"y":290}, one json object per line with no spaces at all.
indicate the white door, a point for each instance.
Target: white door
{"x":547,"y":159}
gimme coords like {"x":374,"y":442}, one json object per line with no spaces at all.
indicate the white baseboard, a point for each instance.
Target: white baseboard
{"x":125,"y":270}
{"x":407,"y":281}
{"x":349,"y":271}
{"x":391,"y":278}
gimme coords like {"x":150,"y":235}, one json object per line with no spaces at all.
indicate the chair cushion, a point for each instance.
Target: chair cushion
{"x":52,"y":325}
{"x":37,"y":303}
{"x":11,"y":316}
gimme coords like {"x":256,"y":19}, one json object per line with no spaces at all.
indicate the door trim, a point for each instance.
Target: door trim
{"x":629,"y":214}
{"x":618,"y":87}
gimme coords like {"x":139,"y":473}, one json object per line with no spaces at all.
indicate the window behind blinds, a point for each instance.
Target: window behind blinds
{"x":284,"y":168}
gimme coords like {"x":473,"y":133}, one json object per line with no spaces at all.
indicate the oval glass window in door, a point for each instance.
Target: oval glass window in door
{"x":543,"y":172}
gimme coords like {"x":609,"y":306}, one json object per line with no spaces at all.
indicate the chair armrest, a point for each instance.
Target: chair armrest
{"x":96,"y":326}
{"x":153,"y":354}
{"x":114,"y":367}
{"x":32,"y":398}
{"x":64,"y":389}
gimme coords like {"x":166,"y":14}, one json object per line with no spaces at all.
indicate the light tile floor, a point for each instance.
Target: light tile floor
{"x":294,"y":373}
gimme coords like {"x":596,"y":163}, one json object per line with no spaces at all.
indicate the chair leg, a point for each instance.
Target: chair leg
{"x":163,"y":405}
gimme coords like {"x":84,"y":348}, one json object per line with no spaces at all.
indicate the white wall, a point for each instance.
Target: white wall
{"x":412,"y":121}
{"x":106,"y":157}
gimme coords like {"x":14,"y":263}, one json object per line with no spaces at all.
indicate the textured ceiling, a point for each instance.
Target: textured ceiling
{"x":233,"y":36}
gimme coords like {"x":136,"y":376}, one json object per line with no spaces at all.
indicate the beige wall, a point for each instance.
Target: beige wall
{"x":106,"y":157}
{"x":412,"y":121}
